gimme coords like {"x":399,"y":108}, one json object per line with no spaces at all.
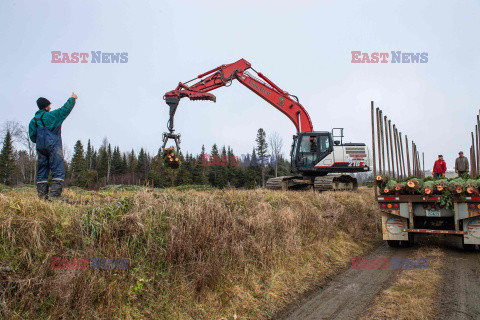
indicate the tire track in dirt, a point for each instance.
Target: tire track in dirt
{"x":460,"y":291}
{"x":346,"y":296}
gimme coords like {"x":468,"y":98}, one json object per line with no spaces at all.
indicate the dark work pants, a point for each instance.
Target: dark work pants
{"x":50,"y":161}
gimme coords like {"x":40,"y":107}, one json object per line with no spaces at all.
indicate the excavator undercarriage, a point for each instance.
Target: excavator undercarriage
{"x":333,"y":182}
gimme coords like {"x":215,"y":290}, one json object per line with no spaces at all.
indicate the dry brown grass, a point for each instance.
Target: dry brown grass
{"x":193,"y":254}
{"x":414,"y":293}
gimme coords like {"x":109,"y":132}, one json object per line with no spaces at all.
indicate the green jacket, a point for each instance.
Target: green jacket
{"x":53,"y":120}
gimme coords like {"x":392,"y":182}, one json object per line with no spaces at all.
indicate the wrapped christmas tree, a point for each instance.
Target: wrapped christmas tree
{"x":440,"y":185}
{"x":457,"y":186}
{"x":400,"y":187}
{"x":414,"y":185}
{"x":170,"y":159}
{"x":428,"y":187}
{"x":471,"y":186}
{"x":381,"y":180}
{"x":389,"y":187}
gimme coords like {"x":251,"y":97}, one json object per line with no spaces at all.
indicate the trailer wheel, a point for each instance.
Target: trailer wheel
{"x":393,"y":243}
{"x":410,"y":241}
{"x":467,"y":247}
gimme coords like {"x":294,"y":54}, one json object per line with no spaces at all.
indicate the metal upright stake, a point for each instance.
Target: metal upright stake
{"x":477,"y":150}
{"x":400,"y":172}
{"x":391,"y":146}
{"x":423,"y":164}
{"x":396,"y":153}
{"x":383,"y":141}
{"x":403,"y":158}
{"x":414,"y":152}
{"x":378,"y":142}
{"x":373,"y":149}
{"x":388,"y":151}
{"x":408,"y":157}
{"x":473,"y":161}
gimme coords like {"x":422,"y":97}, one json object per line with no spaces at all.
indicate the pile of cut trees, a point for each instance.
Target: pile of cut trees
{"x":170,"y":159}
{"x":428,"y":186}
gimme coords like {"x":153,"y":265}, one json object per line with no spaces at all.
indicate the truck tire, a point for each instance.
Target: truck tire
{"x":393,"y":243}
{"x":409,"y":242}
{"x":467,"y":247}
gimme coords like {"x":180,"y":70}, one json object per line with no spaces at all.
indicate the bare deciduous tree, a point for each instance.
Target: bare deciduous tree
{"x":276,"y":145}
{"x":21,"y":139}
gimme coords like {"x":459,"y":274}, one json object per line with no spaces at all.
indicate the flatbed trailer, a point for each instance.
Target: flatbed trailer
{"x":403,"y":216}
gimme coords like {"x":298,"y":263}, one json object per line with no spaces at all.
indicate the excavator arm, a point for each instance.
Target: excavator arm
{"x":223,"y":76}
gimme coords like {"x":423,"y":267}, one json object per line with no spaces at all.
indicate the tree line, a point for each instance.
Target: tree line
{"x":91,"y":167}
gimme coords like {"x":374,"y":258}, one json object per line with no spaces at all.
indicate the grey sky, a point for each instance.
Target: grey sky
{"x":303,"y":46}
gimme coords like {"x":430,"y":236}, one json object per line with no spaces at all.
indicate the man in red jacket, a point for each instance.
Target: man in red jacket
{"x":439,"y":167}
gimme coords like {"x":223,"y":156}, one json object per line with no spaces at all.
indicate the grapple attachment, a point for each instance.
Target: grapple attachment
{"x":191,"y":94}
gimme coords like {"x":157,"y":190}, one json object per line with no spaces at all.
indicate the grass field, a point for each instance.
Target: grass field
{"x":193,"y":252}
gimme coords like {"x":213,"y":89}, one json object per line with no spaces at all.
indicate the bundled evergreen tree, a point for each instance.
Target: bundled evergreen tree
{"x":7,"y":160}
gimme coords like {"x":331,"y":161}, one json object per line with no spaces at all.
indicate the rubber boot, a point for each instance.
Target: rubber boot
{"x":42,"y":190}
{"x":56,"y":191}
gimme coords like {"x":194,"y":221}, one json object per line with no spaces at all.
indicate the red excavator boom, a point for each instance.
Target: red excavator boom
{"x":224,"y":75}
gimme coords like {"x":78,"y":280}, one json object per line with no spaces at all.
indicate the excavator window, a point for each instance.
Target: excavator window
{"x":308,"y":144}
{"x":324,"y":143}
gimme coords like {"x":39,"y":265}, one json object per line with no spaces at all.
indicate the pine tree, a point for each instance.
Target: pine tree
{"x":7,"y":160}
{"x":109,"y":157}
{"x":89,"y":155}
{"x":94,"y":161}
{"x":142,"y":163}
{"x":102,"y":162}
{"x":252,"y":174}
{"x":78,"y":165}
{"x":124,"y":164}
{"x":262,"y":151}
{"x":212,"y":177}
{"x":132,"y":162}
{"x":116,"y":161}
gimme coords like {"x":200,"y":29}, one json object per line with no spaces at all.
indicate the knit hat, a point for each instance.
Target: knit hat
{"x":42,"y":103}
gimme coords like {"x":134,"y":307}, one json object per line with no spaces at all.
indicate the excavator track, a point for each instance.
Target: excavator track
{"x":335,"y":182}
{"x":279,"y":183}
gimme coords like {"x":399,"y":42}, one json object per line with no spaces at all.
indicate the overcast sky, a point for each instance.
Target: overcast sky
{"x":303,"y":46}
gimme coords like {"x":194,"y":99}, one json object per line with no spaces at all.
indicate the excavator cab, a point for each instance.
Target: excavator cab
{"x":309,"y":148}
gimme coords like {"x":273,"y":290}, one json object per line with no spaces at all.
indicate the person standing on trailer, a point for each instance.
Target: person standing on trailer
{"x":461,"y":164}
{"x":45,"y":130}
{"x":439,"y":168}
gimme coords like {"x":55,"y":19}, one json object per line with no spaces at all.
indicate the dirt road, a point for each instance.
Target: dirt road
{"x":351,"y":293}
{"x":460,"y":292}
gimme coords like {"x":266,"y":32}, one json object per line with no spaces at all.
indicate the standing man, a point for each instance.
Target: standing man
{"x":45,"y":130}
{"x":461,"y":164}
{"x":439,"y":168}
